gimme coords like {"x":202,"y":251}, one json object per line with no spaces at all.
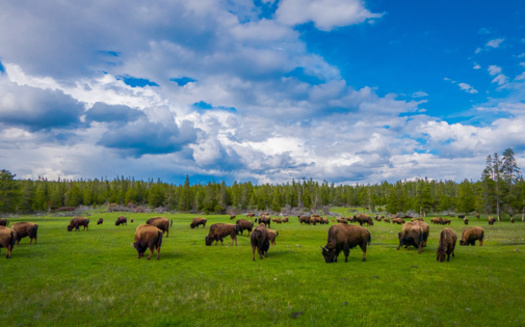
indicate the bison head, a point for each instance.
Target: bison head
{"x":441,"y":255}
{"x":140,"y":249}
{"x":329,"y":255}
{"x":462,"y":243}
{"x":208,"y":240}
{"x":69,"y":228}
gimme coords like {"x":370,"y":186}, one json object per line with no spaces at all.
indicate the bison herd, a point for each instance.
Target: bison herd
{"x":341,"y":237}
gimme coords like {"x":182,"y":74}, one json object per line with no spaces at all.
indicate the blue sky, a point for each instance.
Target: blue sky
{"x":265,"y":91}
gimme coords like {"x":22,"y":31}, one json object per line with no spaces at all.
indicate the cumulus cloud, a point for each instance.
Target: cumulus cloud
{"x":494,"y":43}
{"x":102,"y":112}
{"x":467,"y":88}
{"x":325,"y":14}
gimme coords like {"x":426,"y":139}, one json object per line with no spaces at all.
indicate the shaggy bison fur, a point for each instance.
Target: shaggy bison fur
{"x":147,"y":236}
{"x":343,"y":238}
{"x":77,"y":222}
{"x":244,"y":224}
{"x":24,"y":229}
{"x":198,"y":221}
{"x":471,"y":234}
{"x":260,"y":241}
{"x":161,"y":223}
{"x":220,"y":230}
{"x":7,"y":240}
{"x":447,"y":243}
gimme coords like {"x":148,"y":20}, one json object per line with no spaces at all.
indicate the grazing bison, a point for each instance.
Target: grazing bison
{"x":364,"y":220}
{"x":260,"y":241}
{"x":265,"y":219}
{"x":121,"y":221}
{"x":272,"y":234}
{"x":100,"y":221}
{"x":412,"y":234}
{"x":461,"y":216}
{"x":471,"y":234}
{"x":251,"y":214}
{"x":446,"y":222}
{"x":477,"y":215}
{"x":399,"y":221}
{"x":512,"y":220}
{"x":386,"y":220}
{"x":492,"y":220}
{"x":304,"y":219}
{"x":342,"y":220}
{"x":147,"y":236}
{"x":232,"y":217}
{"x":131,"y":221}
{"x":198,"y":221}
{"x":465,"y":220}
{"x":3,"y":222}
{"x":437,"y":221}
{"x":219,"y":231}
{"x":77,"y":222}
{"x":343,"y":238}
{"x":244,"y":225}
{"x":277,"y":220}
{"x":285,"y":219}
{"x":447,"y":243}
{"x":7,"y":240}
{"x":426,"y":230}
{"x":161,"y":223}
{"x":24,"y":229}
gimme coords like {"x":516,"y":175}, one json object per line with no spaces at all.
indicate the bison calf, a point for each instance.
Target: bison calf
{"x":471,"y":234}
{"x":447,"y":243}
{"x":24,"y":229}
{"x":343,"y":238}
{"x":147,"y":236}
{"x":7,"y":240}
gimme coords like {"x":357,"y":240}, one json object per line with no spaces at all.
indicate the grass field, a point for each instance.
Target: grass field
{"x":94,"y":278}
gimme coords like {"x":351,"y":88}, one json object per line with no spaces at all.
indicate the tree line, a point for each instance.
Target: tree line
{"x":499,"y":191}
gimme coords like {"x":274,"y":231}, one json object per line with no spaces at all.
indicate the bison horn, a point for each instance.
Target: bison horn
{"x":322,"y":247}
{"x":132,"y":244}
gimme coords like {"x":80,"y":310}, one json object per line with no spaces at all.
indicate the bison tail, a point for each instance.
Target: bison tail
{"x":369,"y":240}
{"x":171,"y":222}
{"x":13,"y":238}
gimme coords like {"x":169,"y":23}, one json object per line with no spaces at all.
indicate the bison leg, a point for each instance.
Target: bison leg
{"x":253,"y":253}
{"x":363,"y":248}
{"x":481,"y":242}
{"x":158,"y":252}
{"x":151,"y":250}
{"x":346,"y":251}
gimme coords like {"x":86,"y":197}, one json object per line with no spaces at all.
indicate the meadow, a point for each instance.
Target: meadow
{"x":94,"y":278}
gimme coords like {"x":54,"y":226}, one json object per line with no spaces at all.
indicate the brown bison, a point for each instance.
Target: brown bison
{"x":465,"y":220}
{"x":161,"y":223}
{"x":399,"y":221}
{"x":251,"y":214}
{"x":7,"y":240}
{"x":272,"y":234}
{"x":364,"y":220}
{"x":386,"y":220}
{"x":437,"y":221}
{"x":232,"y":217}
{"x":77,"y":222}
{"x":100,"y":221}
{"x":343,"y":238}
{"x":24,"y":229}
{"x":447,"y":243}
{"x":219,"y":231}
{"x":426,"y":230}
{"x":342,"y":220}
{"x":461,"y":216}
{"x":477,"y":215}
{"x":471,"y":234}
{"x":121,"y":221}
{"x":198,"y":221}
{"x":412,"y":234}
{"x":446,"y":222}
{"x":285,"y":219}
{"x":260,"y":241}
{"x":3,"y":222}
{"x":277,"y":220}
{"x":265,"y":219}
{"x":304,"y":219}
{"x":492,"y":220}
{"x":131,"y":220}
{"x":512,"y":220}
{"x":147,"y":236}
{"x":244,"y":225}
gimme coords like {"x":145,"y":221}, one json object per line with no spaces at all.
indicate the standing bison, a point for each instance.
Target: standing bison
{"x":343,"y":238}
{"x":471,"y":234}
{"x":100,"y":221}
{"x":147,"y":236}
{"x":121,"y":221}
{"x":260,"y":241}
{"x":3,"y":222}
{"x":244,"y":224}
{"x":492,"y":220}
{"x":412,"y":235}
{"x":198,"y":221}
{"x":77,"y":222}
{"x":272,"y":235}
{"x":265,"y":219}
{"x":7,"y":240}
{"x":24,"y":229}
{"x":220,"y":230}
{"x":447,"y":243}
{"x":161,"y":223}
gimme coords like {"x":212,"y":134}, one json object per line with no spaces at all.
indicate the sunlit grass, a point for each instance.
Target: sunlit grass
{"x":95,"y":278}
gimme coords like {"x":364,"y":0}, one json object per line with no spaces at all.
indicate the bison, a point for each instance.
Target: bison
{"x":342,"y":220}
{"x":446,"y":222}
{"x":161,"y":223}
{"x":24,"y":229}
{"x":131,"y":220}
{"x":198,"y":221}
{"x":260,"y":241}
{"x":492,"y":220}
{"x":77,"y":222}
{"x":437,"y":221}
{"x":265,"y":219}
{"x":343,"y":238}
{"x":426,"y":230}
{"x":285,"y":219}
{"x":465,"y":220}
{"x":220,"y":230}
{"x":471,"y":234}
{"x":244,"y":225}
{"x":147,"y":236}
{"x":412,"y":234}
{"x":477,"y":215}
{"x":447,"y":243}
{"x":304,"y":219}
{"x":232,"y":217}
{"x":100,"y":221}
{"x":3,"y":222}
{"x":7,"y":240}
{"x":272,"y":234}
{"x":277,"y":220}
{"x":121,"y":221}
{"x":461,"y":216}
{"x":386,"y":220}
{"x":399,"y":221}
{"x":512,"y":220}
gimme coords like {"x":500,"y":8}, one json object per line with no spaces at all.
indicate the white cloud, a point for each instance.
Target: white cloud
{"x":467,"y":88}
{"x":325,"y":14}
{"x":494,"y":70}
{"x":494,"y":43}
{"x":476,"y":66}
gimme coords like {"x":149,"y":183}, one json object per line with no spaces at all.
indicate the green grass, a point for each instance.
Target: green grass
{"x":94,"y":278}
